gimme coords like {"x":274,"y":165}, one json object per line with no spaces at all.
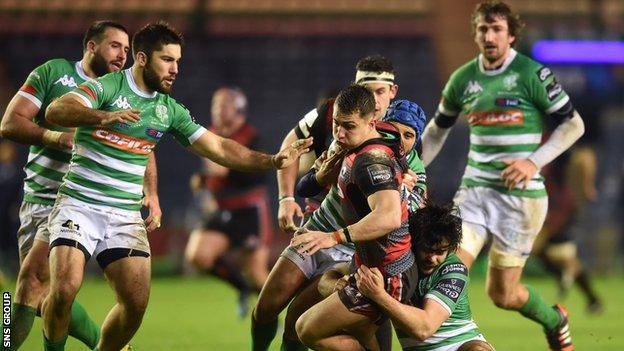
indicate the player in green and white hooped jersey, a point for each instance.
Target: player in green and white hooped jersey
{"x":439,"y":316}
{"x":505,"y":96}
{"x":105,"y":46}
{"x":120,"y":118}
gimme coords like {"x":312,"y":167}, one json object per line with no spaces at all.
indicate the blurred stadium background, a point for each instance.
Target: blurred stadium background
{"x":284,"y":54}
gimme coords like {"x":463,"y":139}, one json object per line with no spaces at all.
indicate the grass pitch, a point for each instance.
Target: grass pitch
{"x":200,"y":314}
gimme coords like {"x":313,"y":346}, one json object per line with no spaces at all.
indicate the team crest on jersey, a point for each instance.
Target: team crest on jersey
{"x":543,"y":73}
{"x":161,"y":113}
{"x":123,"y":142}
{"x":122,"y":103}
{"x":35,"y":74}
{"x":473,"y":87}
{"x":489,"y":118}
{"x":511,"y":81}
{"x":67,"y":81}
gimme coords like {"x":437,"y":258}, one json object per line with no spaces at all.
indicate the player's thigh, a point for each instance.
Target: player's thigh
{"x":307,"y":298}
{"x":328,"y":317}
{"x":66,"y":270}
{"x":130,"y":279}
{"x":284,"y":281}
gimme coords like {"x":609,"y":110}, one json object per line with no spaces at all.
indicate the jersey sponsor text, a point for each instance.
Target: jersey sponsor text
{"x":123,"y":142}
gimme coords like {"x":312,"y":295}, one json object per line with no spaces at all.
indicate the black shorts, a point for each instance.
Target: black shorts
{"x":401,"y":287}
{"x":247,"y":228}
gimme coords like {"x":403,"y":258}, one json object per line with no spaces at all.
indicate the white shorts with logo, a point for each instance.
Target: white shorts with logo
{"x":33,"y":225}
{"x":512,"y":222}
{"x":319,"y":263}
{"x":97,"y":228}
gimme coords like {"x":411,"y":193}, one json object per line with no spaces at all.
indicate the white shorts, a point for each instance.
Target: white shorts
{"x":33,"y":225}
{"x":456,"y":346}
{"x":107,"y":232}
{"x":513,"y":223}
{"x":319,"y":263}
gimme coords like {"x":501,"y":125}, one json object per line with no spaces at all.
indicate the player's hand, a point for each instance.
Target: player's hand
{"x":121,"y":116}
{"x":66,"y":141}
{"x":310,"y":242}
{"x":288,"y":209}
{"x":370,"y":281}
{"x":152,"y":221}
{"x":287,"y":156}
{"x":517,"y":171}
{"x":329,"y":167}
{"x":409,"y":179}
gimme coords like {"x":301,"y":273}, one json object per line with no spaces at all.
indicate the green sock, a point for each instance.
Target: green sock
{"x":54,"y":346}
{"x":22,"y":317}
{"x":82,"y":327}
{"x":292,"y":345}
{"x":262,"y":334}
{"x":536,"y":309}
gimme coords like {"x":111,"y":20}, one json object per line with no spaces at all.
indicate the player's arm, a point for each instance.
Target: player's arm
{"x":18,"y":125}
{"x":286,"y":177}
{"x":435,"y":133}
{"x":74,"y":110}
{"x":420,"y":323}
{"x":150,"y":189}
{"x":569,"y":130}
{"x":232,"y":154}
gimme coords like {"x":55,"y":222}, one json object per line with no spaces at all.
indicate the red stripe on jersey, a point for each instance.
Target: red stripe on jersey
{"x":88,"y":91}
{"x":27,"y":88}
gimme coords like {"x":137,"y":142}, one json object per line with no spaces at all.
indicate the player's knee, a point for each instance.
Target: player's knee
{"x":64,"y":294}
{"x":135,"y":304}
{"x":501,"y":298}
{"x":200,"y":261}
{"x":304,"y":332}
{"x":476,"y":345}
{"x":31,"y":286}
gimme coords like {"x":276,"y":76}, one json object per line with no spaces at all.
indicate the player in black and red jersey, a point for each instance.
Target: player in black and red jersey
{"x":238,"y":218}
{"x":376,"y":211}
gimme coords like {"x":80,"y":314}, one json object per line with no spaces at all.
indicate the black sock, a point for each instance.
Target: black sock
{"x":262,"y":334}
{"x":582,"y":280}
{"x":227,"y":270}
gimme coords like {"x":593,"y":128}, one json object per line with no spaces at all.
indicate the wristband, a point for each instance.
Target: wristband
{"x":337,"y":237}
{"x":51,"y":138}
{"x":286,"y":198}
{"x":345,"y":230}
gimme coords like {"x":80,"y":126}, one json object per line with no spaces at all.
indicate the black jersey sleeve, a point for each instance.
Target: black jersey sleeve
{"x":374,"y":171}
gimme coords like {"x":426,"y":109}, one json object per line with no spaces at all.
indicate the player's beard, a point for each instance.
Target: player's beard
{"x":153,"y":81}
{"x":99,"y":66}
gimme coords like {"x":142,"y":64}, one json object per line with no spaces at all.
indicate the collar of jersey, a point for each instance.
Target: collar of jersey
{"x":135,"y":88}
{"x":81,"y":73}
{"x":511,"y":57}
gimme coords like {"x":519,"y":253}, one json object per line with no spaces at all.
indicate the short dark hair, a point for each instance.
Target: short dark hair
{"x":375,"y":63}
{"x":96,"y":31}
{"x":154,"y":36}
{"x":433,"y":224}
{"x":492,"y":9}
{"x":355,"y":98}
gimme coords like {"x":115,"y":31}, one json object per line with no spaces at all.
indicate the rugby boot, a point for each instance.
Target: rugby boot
{"x":559,"y":339}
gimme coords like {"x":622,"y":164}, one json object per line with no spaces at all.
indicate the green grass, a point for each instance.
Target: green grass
{"x":199,"y":314}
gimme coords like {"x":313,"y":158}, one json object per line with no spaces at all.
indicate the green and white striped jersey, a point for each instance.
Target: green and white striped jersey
{"x":46,"y":166}
{"x":108,"y":162}
{"x":448,"y":286}
{"x":505,"y":109}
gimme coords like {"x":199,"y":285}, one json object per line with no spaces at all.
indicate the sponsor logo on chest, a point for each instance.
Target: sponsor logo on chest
{"x":123,"y":142}
{"x":486,"y":118}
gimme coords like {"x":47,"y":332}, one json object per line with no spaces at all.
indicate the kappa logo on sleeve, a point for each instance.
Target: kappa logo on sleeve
{"x":379,"y":173}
